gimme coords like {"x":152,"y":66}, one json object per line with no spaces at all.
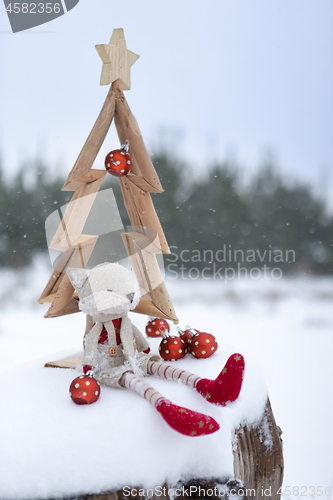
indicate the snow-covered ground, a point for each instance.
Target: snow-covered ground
{"x":285,"y":327}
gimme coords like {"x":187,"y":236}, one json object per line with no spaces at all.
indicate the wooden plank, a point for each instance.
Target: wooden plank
{"x":94,"y":142}
{"x":123,"y":136}
{"x":129,"y":202}
{"x":147,"y":307}
{"x":58,"y":273}
{"x":141,"y":211}
{"x":132,"y":131}
{"x":65,"y":301}
{"x":71,"y":363}
{"x":85,"y":240}
{"x":141,"y":183}
{"x":136,"y":262}
{"x":258,"y":462}
{"x":62,"y":299}
{"x":155,"y":299}
{"x":135,"y":175}
{"x":56,"y":276}
{"x":49,"y":298}
{"x":75,"y":216}
{"x":93,"y":175}
{"x":147,"y":214}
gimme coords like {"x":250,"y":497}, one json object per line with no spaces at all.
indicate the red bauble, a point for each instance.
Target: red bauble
{"x":171,"y":347}
{"x":187,"y":335}
{"x":118,"y":162}
{"x":156,"y":326}
{"x":202,"y":345}
{"x":84,"y":390}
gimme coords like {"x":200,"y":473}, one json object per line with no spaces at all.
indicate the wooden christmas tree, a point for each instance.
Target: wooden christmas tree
{"x":136,"y":187}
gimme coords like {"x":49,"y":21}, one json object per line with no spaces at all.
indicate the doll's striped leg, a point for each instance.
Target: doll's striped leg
{"x":224,"y":389}
{"x":133,"y":382}
{"x":163,"y":370}
{"x":183,"y":420}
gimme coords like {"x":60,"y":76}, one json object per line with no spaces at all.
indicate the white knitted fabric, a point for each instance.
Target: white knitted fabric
{"x":107,"y":288}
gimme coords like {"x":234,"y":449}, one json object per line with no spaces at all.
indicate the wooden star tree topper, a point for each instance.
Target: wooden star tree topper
{"x":117,"y":60}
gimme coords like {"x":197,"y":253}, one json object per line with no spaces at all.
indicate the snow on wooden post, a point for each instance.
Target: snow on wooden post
{"x":258,"y":457}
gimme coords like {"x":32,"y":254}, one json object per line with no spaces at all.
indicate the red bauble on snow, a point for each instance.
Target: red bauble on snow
{"x":187,"y":335}
{"x":202,"y":345}
{"x":84,"y":390}
{"x":171,"y":347}
{"x":156,"y":326}
{"x":118,"y":162}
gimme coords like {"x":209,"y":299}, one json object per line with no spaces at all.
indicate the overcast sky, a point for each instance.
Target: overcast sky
{"x":214,"y":78}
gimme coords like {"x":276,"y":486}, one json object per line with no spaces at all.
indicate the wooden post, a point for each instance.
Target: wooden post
{"x":258,"y":457}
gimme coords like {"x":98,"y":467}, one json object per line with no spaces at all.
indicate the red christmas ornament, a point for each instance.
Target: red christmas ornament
{"x":156,"y":326}
{"x":187,"y":335}
{"x":171,"y":347}
{"x":202,"y":344}
{"x":118,"y":162}
{"x":84,"y":390}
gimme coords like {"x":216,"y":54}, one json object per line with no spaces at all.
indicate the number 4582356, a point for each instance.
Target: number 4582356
{"x":304,"y":491}
{"x":33,"y":8}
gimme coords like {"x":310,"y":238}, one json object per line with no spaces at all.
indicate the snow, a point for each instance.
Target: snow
{"x":51,"y":447}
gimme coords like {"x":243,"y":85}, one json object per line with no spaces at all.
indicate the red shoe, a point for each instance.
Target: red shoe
{"x":226,"y":387}
{"x":185,"y":421}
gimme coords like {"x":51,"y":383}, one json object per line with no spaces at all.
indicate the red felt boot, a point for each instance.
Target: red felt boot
{"x":186,"y":421}
{"x":226,"y":387}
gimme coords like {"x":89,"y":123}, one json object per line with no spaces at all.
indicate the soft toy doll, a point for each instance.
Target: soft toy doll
{"x":118,"y":355}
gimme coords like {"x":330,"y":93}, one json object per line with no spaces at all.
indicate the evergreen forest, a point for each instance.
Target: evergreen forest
{"x":211,"y":219}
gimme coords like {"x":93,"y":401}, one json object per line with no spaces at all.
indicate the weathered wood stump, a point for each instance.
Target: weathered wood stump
{"x":258,"y":457}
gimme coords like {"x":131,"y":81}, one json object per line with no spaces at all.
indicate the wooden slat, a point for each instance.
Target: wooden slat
{"x":75,"y":216}
{"x":135,"y":176}
{"x":49,"y":298}
{"x":62,"y":298}
{"x":64,"y":363}
{"x":123,"y":136}
{"x":64,"y":301}
{"x":93,"y":175}
{"x":94,"y":142}
{"x":146,"y":306}
{"x":56,"y":276}
{"x":132,"y":132}
{"x":133,"y":214}
{"x":141,"y":210}
{"x":141,"y":183}
{"x":156,"y":299}
{"x":147,"y":213}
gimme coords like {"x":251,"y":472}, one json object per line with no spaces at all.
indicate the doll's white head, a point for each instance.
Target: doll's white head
{"x":105,"y":289}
